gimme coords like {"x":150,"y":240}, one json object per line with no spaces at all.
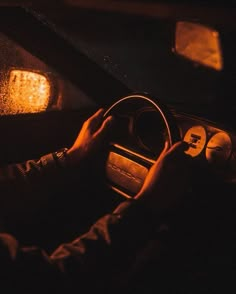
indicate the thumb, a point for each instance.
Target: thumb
{"x":178,"y":148}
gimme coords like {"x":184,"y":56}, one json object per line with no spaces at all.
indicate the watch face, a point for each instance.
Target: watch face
{"x":60,"y":156}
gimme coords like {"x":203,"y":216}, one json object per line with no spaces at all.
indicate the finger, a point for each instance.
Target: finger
{"x":163,"y":152}
{"x":102,"y":131}
{"x":178,"y":148}
{"x":95,"y":120}
{"x":177,"y":153}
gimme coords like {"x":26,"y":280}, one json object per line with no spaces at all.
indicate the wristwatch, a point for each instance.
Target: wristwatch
{"x":60,"y":156}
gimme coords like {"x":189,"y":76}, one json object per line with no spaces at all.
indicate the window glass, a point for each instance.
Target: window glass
{"x":28,"y":85}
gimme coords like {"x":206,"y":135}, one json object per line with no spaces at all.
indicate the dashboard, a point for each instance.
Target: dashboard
{"x":141,"y":130}
{"x":210,"y":145}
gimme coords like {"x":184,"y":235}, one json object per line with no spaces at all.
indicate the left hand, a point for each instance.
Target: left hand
{"x":89,"y":138}
{"x":167,"y":179}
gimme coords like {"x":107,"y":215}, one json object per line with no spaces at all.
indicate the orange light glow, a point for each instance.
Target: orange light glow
{"x":199,"y":43}
{"x":28,"y":92}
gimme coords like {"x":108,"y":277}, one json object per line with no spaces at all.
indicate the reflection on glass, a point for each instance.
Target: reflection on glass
{"x":199,"y":43}
{"x":28,"y":92}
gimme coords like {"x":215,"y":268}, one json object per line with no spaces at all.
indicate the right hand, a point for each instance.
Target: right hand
{"x":167,"y":179}
{"x":90,"y":138}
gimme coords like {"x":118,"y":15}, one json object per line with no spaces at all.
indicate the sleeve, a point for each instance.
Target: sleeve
{"x":108,"y":249}
{"x":89,"y":260}
{"x":19,"y":181}
{"x":28,"y":171}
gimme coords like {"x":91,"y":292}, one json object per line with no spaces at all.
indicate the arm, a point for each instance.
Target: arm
{"x":90,"y":259}
{"x":25,"y":173}
{"x":111,"y":243}
{"x":23,"y":186}
{"x":20,"y":181}
{"x":88,"y":140}
{"x":117,"y":237}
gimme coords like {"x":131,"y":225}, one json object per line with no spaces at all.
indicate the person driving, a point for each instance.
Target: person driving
{"x":96,"y":259}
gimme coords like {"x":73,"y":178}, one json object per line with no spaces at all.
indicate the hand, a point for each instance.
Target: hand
{"x":89,"y":138}
{"x":167,"y":179}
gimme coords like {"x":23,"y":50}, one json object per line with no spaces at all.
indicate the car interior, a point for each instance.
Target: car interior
{"x":166,"y":72}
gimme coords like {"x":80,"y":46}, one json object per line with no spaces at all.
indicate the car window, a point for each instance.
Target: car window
{"x":139,"y":52}
{"x":29,"y":85}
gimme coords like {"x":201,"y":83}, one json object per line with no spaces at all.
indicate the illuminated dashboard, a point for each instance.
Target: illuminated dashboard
{"x":141,"y":131}
{"x":210,"y":145}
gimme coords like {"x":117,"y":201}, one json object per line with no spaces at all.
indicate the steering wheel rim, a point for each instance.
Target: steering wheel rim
{"x":126,"y":168}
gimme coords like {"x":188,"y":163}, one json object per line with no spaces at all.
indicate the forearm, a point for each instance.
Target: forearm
{"x":92,"y":258}
{"x":26,"y":270}
{"x":28,"y":171}
{"x":25,"y":184}
{"x":109,"y":248}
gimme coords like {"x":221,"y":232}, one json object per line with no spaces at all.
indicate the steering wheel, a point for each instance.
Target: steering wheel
{"x":141,"y":129}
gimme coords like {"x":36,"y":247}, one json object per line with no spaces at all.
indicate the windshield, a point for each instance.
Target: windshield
{"x":105,"y":55}
{"x":139,"y":52}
